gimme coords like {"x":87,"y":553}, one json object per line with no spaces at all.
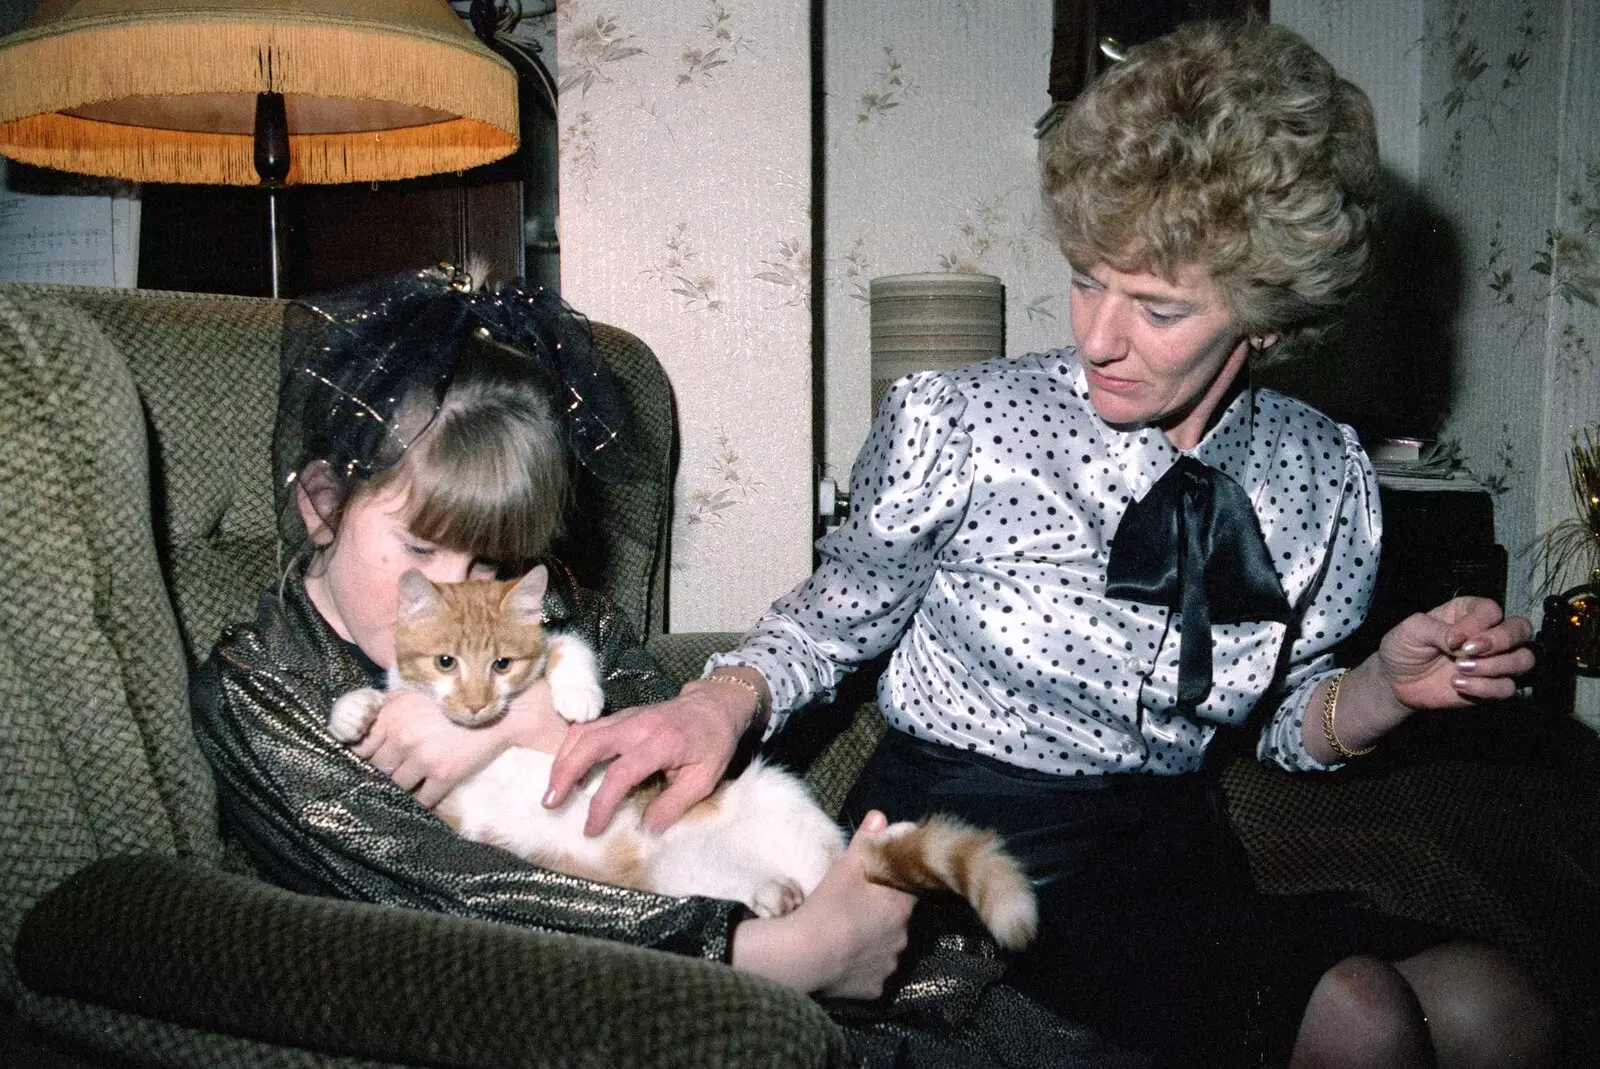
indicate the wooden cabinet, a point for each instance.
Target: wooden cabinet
{"x":213,"y":239}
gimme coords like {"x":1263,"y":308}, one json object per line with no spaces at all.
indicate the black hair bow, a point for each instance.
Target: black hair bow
{"x":1192,"y":544}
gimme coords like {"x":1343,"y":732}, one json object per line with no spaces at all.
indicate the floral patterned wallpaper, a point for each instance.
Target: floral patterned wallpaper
{"x":930,"y":166}
{"x":685,"y":218}
{"x":1494,"y":292}
{"x":1509,"y":117}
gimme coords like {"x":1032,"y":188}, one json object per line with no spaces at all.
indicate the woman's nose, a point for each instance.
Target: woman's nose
{"x":1104,"y":337}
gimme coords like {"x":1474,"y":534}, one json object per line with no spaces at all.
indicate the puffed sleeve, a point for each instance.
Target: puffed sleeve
{"x":908,"y":494}
{"x":315,"y":818}
{"x":1336,"y":608}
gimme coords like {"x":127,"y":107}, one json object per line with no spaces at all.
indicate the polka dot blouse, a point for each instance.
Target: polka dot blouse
{"x":982,"y":509}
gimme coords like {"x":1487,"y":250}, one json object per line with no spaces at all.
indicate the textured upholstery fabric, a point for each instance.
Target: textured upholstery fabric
{"x":1483,"y":823}
{"x":96,"y":740}
{"x":625,"y":555}
{"x":396,"y":983}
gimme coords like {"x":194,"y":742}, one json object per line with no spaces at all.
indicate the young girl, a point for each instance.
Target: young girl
{"x":419,"y":427}
{"x":423,"y":425}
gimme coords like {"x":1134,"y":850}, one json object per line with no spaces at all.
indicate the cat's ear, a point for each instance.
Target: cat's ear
{"x":417,"y":595}
{"x":317,"y":495}
{"x":527,"y":596}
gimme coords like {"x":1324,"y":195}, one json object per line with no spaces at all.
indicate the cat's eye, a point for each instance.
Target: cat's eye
{"x":445,"y":662}
{"x":502,"y":665}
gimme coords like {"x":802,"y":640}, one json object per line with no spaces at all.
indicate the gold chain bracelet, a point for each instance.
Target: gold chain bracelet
{"x":1330,"y":706}
{"x":759,"y":716}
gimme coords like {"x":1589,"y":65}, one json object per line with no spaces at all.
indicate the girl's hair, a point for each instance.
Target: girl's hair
{"x":475,"y":403}
{"x":490,"y":475}
{"x":1236,"y":147}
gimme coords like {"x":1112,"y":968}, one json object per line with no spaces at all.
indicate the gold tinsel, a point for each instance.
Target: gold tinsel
{"x":1573,"y":545}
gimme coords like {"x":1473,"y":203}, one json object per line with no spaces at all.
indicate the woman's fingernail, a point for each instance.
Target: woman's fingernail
{"x":1458,"y":682}
{"x":1471,"y":647}
{"x":1467,"y":666}
{"x":550,"y":797}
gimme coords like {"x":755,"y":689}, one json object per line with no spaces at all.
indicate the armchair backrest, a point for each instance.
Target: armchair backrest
{"x":138,"y":522}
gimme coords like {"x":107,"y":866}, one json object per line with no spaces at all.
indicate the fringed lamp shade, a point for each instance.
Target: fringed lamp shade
{"x":165,"y":90}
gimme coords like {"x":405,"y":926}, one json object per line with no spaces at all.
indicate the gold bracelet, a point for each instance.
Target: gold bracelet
{"x":759,"y":716}
{"x":1330,"y":705}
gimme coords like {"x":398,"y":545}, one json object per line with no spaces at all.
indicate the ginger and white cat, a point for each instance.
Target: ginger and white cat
{"x":759,"y":839}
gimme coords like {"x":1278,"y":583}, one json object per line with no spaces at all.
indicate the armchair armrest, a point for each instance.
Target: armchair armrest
{"x":193,"y":946}
{"x":683,"y":654}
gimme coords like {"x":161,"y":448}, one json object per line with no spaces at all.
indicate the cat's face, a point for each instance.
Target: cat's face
{"x":474,"y":646}
{"x":354,"y":588}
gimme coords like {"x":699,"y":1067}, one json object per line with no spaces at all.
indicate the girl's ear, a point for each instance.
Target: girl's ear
{"x":317,"y":497}
{"x":525,"y":598}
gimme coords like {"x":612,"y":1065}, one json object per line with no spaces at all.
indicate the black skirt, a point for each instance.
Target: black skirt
{"x":1151,"y":931}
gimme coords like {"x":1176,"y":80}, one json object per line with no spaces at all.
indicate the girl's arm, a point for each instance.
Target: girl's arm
{"x":316,"y":818}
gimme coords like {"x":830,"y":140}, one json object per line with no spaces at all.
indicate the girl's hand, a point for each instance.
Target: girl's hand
{"x":843,"y":941}
{"x":414,"y":744}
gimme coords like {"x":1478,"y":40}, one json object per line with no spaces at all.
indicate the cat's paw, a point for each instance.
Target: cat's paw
{"x":574,"y":681}
{"x":577,"y":703}
{"x":895,"y":831}
{"x":776,"y":898}
{"x":353,"y":714}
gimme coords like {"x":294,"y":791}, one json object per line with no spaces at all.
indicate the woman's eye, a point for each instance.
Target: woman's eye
{"x":419,"y":550}
{"x":1163,"y":318}
{"x":445,"y":662}
{"x":502,"y":665}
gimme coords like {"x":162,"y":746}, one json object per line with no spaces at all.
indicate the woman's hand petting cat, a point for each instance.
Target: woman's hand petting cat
{"x":690,"y":739}
{"x":413,"y":743}
{"x":843,"y":941}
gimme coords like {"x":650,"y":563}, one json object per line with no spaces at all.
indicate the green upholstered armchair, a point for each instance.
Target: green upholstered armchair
{"x":137,"y":521}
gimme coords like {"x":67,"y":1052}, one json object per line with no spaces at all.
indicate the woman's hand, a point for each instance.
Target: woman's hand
{"x":843,"y":941}
{"x":1464,"y":651}
{"x":690,"y":738}
{"x":414,"y":744}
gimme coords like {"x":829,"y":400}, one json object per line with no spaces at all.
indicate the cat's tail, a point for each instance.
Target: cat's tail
{"x":943,"y":853}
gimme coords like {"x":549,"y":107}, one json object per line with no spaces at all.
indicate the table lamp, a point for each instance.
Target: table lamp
{"x":247,"y":92}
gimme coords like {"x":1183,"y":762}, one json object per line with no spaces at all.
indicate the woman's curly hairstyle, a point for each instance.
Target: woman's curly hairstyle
{"x":1235,"y":146}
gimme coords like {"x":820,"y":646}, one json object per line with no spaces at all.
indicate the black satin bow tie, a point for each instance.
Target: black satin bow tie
{"x":1192,"y":544}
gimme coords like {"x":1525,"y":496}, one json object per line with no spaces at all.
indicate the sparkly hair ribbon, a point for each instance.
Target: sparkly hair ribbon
{"x":365,"y":369}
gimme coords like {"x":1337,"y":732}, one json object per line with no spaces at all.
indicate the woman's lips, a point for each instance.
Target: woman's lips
{"x":1109,"y":383}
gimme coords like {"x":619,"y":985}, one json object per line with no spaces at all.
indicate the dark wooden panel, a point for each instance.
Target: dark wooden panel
{"x":1080,"y":25}
{"x":213,"y":239}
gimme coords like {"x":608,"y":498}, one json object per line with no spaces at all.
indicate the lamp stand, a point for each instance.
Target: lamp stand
{"x":272,"y":164}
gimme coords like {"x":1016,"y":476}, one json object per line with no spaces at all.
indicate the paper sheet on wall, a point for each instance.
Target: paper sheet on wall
{"x":88,"y":240}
